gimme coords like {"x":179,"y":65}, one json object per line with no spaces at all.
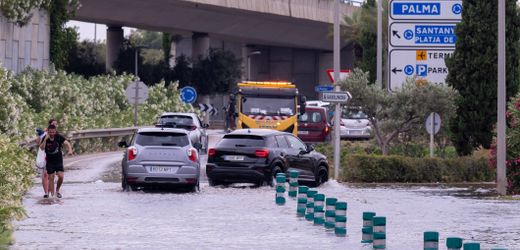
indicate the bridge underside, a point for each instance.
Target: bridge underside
{"x":186,"y":17}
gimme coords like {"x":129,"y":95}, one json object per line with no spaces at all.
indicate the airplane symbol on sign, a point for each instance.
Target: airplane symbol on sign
{"x":420,"y":55}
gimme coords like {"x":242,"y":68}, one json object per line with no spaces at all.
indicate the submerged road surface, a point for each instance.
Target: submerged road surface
{"x":95,"y":213}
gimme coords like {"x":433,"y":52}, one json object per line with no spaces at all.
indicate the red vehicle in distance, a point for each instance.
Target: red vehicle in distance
{"x":313,"y":125}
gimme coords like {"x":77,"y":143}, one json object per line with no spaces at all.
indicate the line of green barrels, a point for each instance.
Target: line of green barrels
{"x":431,"y":242}
{"x":332,"y":214}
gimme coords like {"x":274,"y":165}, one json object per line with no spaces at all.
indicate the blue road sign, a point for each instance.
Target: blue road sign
{"x":324,"y":88}
{"x":422,"y":69}
{"x":408,"y":69}
{"x":419,"y":34}
{"x":188,"y":94}
{"x":456,"y":8}
{"x":425,"y":10}
{"x":408,"y":34}
{"x":415,"y":8}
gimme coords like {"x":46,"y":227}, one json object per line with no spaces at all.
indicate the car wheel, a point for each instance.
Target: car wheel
{"x":322,"y":176}
{"x":213,"y":182}
{"x":271,"y":181}
{"x":124,"y":183}
{"x":195,"y":188}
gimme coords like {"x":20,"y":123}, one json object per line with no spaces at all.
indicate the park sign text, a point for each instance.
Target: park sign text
{"x":422,"y":36}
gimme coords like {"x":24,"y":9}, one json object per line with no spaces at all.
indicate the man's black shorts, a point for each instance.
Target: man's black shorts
{"x":53,"y":168}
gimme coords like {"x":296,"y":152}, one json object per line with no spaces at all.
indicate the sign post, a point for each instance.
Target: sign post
{"x":136,"y":93}
{"x":433,"y":125}
{"x":421,"y":36}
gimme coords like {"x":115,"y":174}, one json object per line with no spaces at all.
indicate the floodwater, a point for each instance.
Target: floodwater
{"x":95,"y":214}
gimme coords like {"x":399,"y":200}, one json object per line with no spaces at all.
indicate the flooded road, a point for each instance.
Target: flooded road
{"x":95,"y":214}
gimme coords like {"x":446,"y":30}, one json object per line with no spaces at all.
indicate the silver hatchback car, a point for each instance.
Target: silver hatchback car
{"x":160,"y":156}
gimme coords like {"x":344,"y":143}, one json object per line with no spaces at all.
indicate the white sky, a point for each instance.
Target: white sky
{"x":86,"y":30}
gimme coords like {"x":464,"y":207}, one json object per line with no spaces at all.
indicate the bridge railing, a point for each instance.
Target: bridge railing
{"x":88,"y":134}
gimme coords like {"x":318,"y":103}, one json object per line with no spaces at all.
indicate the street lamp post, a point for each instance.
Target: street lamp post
{"x":501,"y":102}
{"x":257,"y":52}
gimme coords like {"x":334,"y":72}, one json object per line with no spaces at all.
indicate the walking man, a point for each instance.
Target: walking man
{"x":45,"y":176}
{"x":52,"y":144}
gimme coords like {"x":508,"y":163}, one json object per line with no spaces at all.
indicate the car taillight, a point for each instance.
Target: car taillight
{"x":326,"y":129}
{"x":212,"y":152}
{"x":193,"y":127}
{"x":262,"y":153}
{"x":192,"y":154}
{"x":132,"y":153}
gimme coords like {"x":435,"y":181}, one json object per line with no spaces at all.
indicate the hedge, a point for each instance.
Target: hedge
{"x":378,"y":168}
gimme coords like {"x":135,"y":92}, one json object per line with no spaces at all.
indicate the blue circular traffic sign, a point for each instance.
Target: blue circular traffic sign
{"x":408,"y":69}
{"x":188,"y":94}
{"x":456,"y":8}
{"x":408,"y":34}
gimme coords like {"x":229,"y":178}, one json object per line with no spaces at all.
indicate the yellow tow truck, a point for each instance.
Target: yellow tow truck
{"x":271,"y":105}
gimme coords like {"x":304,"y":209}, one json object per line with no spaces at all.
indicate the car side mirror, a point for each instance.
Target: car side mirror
{"x":205,"y":125}
{"x":197,"y":145}
{"x":122,"y":144}
{"x":310,"y":148}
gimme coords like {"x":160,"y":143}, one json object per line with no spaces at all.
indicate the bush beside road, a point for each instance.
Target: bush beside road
{"x":360,"y":163}
{"x":16,"y":176}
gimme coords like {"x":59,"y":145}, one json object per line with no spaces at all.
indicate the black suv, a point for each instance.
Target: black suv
{"x":257,"y":155}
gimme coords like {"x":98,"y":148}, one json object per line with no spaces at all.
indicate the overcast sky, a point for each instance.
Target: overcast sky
{"x":86,"y":30}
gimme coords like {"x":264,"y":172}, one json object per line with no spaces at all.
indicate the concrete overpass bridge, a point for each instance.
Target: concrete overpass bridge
{"x":276,"y":39}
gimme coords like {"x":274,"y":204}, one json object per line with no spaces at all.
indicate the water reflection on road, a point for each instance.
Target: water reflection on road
{"x":96,"y":214}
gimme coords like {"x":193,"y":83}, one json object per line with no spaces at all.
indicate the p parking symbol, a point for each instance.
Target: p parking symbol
{"x":421,"y":69}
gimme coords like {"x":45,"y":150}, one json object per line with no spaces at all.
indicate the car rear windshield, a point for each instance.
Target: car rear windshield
{"x":232,"y":141}
{"x":176,"y":121}
{"x":162,"y":139}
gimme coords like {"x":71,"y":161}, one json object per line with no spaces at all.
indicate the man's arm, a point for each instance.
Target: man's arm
{"x":42,"y":143}
{"x":70,"y":151}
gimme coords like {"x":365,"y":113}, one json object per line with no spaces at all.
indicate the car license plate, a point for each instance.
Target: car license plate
{"x":355,"y":132}
{"x":157,"y":169}
{"x":300,"y":132}
{"x":234,"y":157}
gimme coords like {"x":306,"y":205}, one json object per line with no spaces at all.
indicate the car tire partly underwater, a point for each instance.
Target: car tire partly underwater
{"x":213,"y":182}
{"x":271,"y":181}
{"x":322,"y":176}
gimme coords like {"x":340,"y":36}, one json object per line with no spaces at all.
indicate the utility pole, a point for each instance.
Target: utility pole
{"x":501,"y":102}
{"x":337,"y":112}
{"x":379,"y":74}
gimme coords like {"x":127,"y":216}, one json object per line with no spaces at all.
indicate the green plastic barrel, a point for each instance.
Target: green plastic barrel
{"x":366,"y":236}
{"x":340,"y":231}
{"x":471,"y":246}
{"x":431,"y":240}
{"x":280,"y":189}
{"x":454,"y":243}
{"x":293,"y":174}
{"x":280,"y":200}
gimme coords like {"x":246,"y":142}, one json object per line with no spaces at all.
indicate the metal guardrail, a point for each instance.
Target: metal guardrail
{"x":88,"y":134}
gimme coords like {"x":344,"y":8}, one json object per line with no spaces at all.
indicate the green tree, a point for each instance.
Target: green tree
{"x":87,"y":58}
{"x":472,"y":71}
{"x":404,"y":110}
{"x":62,"y":39}
{"x":361,"y":31}
{"x":216,"y":73}
{"x":182,"y":72}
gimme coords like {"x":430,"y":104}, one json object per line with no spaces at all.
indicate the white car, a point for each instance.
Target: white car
{"x":191,"y":123}
{"x":355,"y":124}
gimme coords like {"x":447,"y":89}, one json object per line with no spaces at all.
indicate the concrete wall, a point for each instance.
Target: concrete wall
{"x":26,"y":46}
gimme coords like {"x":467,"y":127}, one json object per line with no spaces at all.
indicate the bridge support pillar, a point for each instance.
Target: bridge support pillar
{"x":200,"y":50}
{"x":200,"y":46}
{"x":115,"y":37}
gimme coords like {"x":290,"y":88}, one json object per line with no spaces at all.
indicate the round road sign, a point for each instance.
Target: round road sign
{"x":434,"y":119}
{"x":188,"y":94}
